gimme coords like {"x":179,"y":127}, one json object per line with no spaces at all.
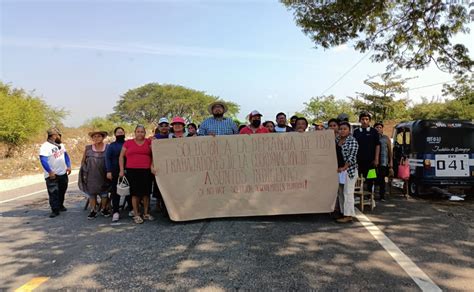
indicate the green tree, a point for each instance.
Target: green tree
{"x":407,"y":34}
{"x":462,"y":89}
{"x":381,"y":102}
{"x":23,"y":116}
{"x":323,"y":108}
{"x":450,"y":109}
{"x":148,"y":103}
{"x":106,"y":124}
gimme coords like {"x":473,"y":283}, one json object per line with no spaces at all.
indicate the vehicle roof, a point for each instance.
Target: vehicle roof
{"x":438,"y":123}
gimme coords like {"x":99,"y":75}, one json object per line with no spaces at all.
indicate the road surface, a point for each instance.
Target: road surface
{"x":404,"y":244}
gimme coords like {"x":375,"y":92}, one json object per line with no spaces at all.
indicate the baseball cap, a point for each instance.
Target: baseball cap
{"x":163,"y":120}
{"x":53,"y":130}
{"x":254,"y":113}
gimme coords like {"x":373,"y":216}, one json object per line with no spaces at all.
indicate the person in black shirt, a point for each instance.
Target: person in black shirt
{"x":369,"y":147}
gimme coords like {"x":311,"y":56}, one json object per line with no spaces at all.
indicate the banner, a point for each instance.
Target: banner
{"x":247,"y":175}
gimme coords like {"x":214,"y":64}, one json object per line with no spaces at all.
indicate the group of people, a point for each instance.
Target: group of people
{"x":358,"y":152}
{"x":103,"y":165}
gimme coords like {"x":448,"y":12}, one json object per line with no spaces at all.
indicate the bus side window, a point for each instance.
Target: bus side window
{"x":407,"y":137}
{"x":399,"y":138}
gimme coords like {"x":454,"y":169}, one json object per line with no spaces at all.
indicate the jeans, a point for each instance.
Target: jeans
{"x":382,"y":172}
{"x":57,"y":188}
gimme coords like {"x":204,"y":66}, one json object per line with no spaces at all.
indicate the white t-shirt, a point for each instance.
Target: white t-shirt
{"x":56,"y":159}
{"x":280,"y":129}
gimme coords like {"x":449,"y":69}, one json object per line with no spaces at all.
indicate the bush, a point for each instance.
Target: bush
{"x":23,"y":117}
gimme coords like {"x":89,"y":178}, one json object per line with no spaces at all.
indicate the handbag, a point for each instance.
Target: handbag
{"x":403,"y":169}
{"x":123,"y":187}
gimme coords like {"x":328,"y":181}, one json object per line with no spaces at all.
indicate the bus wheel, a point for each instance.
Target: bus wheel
{"x":413,"y":188}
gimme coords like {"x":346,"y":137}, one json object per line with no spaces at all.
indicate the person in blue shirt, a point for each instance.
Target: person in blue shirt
{"x":57,"y":166}
{"x":217,"y":124}
{"x":163,"y":130}
{"x":113,"y":169}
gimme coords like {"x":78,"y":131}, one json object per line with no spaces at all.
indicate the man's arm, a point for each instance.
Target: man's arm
{"x":203,"y":129}
{"x":235,"y":130}
{"x":68,"y":163}
{"x":390,"y":158}
{"x":45,"y":164}
{"x":108,"y":159}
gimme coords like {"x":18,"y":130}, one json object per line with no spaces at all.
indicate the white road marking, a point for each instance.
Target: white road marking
{"x":30,"y":194}
{"x":420,"y":278}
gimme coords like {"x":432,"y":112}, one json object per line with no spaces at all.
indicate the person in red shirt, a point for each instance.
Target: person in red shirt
{"x":255,"y":126}
{"x":138,"y":169}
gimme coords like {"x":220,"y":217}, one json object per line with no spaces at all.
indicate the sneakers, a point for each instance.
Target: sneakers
{"x":138,"y":219}
{"x":105,"y":213}
{"x":53,"y":214}
{"x":62,"y":209}
{"x":116,"y":217}
{"x":148,"y":217}
{"x":92,"y":215}
{"x":130,"y":214}
{"x":345,"y":219}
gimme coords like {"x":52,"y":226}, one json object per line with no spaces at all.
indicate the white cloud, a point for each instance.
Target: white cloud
{"x":144,"y":48}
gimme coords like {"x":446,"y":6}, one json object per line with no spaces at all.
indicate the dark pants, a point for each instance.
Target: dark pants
{"x":56,"y":190}
{"x":115,"y":197}
{"x":382,"y":172}
{"x":160,"y":203}
{"x":364,"y":167}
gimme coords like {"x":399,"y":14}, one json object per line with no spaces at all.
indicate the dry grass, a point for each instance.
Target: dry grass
{"x":26,"y":159}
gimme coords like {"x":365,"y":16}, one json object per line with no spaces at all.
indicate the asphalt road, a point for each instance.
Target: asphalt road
{"x":299,"y":252}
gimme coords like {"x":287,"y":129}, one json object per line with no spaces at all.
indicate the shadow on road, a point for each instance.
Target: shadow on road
{"x":299,"y":252}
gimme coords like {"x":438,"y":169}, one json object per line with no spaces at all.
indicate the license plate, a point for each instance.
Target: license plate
{"x":452,"y":165}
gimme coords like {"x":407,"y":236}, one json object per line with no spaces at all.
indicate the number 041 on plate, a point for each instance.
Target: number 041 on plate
{"x":452,"y":165}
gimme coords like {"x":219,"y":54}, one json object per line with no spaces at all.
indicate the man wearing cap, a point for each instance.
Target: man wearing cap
{"x":57,"y":166}
{"x":218,"y":125}
{"x":163,"y":130}
{"x":255,"y":126}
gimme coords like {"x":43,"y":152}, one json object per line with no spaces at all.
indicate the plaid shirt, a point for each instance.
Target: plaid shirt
{"x":349,"y":152}
{"x":218,"y":127}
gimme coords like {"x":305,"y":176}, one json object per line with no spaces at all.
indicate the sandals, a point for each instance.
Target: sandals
{"x":137,"y":220}
{"x":148,"y":217}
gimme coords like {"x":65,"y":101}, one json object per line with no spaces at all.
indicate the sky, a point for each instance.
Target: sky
{"x":82,"y":55}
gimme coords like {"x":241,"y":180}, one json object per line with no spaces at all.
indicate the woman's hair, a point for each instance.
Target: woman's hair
{"x":265,"y":124}
{"x":118,"y":128}
{"x":333,"y":121}
{"x":302,"y":119}
{"x":344,"y":123}
{"x":140,"y":126}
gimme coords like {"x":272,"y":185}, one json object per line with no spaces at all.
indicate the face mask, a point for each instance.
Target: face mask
{"x":120,"y":138}
{"x":256,"y":123}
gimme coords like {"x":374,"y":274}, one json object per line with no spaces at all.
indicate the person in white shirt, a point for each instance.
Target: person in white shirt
{"x":57,"y":166}
{"x":282,"y":124}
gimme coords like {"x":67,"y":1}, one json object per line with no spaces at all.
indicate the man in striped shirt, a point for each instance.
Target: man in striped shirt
{"x":218,"y":124}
